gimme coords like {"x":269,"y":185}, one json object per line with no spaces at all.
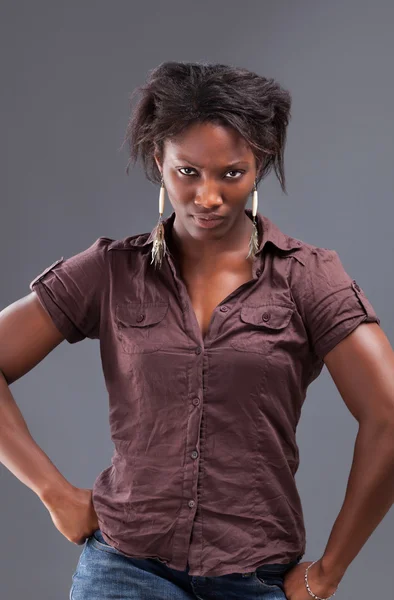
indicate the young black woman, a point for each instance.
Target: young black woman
{"x":211,"y":329}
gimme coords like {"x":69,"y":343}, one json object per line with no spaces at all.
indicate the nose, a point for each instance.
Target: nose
{"x":208,"y":197}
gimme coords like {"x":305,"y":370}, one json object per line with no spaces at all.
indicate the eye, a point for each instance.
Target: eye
{"x":185,"y":169}
{"x":191,"y":169}
{"x":236,"y":171}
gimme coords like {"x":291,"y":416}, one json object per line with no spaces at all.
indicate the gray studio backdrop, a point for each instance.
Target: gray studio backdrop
{"x":66,"y":72}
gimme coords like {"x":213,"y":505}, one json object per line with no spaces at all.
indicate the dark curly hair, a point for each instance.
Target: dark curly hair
{"x":178,"y":94}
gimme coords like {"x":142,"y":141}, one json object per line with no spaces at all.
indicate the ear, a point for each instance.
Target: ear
{"x":261,"y":163}
{"x":157,"y":157}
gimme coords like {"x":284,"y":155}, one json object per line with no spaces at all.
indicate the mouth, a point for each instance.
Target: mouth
{"x":208,"y":222}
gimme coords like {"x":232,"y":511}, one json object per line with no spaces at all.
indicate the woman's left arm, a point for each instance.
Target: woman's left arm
{"x":362,"y":367}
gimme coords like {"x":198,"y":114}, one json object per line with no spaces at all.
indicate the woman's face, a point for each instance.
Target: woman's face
{"x":209,"y":171}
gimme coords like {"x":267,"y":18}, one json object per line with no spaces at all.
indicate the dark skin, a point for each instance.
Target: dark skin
{"x":213,"y":263}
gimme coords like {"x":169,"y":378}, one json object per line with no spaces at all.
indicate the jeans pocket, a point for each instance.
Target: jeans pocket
{"x":76,"y":571}
{"x":97,"y":541}
{"x":273,"y":575}
{"x":270,"y":581}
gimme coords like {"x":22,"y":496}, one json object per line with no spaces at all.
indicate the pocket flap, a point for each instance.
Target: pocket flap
{"x":137,"y":314}
{"x":273,"y":316}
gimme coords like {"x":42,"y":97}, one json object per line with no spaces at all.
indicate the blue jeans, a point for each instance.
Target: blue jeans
{"x":105,"y":573}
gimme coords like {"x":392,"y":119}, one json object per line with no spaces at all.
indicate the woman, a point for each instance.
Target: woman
{"x":211,"y":329}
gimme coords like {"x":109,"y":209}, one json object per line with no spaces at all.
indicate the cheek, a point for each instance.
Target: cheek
{"x":175,"y":199}
{"x":179,"y":195}
{"x":174,"y":187}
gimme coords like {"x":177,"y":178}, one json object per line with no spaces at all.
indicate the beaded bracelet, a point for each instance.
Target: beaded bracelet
{"x":309,"y":589}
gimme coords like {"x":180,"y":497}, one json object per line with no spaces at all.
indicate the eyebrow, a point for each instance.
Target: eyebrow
{"x":235,"y":162}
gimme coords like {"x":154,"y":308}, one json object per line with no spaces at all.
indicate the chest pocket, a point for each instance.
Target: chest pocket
{"x":261,"y":327}
{"x":141,"y":327}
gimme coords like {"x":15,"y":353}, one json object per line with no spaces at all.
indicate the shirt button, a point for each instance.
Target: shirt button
{"x":266,"y":316}
{"x":191,"y":503}
{"x":194,"y":454}
{"x":224,"y":308}
{"x":140,"y":318}
{"x":196,"y":401}
{"x":198,"y":350}
{"x":258,"y":272}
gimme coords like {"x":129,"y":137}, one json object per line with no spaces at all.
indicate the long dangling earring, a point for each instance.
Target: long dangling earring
{"x":254,"y":238}
{"x":159,"y":244}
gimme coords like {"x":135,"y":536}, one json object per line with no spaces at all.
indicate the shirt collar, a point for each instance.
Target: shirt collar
{"x":268,"y":232}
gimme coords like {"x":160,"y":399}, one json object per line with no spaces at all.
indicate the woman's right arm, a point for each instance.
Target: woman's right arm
{"x":27,"y":335}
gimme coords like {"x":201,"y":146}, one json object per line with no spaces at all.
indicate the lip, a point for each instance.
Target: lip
{"x":208,"y":222}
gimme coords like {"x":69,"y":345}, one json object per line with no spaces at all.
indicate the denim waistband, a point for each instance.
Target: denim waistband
{"x":276,"y":568}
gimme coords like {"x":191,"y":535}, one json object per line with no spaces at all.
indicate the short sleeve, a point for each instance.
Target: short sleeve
{"x":331,"y":303}
{"x":71,"y":291}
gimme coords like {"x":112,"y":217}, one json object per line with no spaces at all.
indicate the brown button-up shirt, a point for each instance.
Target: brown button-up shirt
{"x":204,"y":430}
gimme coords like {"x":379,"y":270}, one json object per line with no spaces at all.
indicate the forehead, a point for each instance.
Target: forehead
{"x":202,"y":140}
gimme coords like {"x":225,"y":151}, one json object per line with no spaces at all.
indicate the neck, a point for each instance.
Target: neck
{"x":234,"y":244}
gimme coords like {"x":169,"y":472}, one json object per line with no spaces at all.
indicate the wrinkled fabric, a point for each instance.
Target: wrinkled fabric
{"x":204,"y":430}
